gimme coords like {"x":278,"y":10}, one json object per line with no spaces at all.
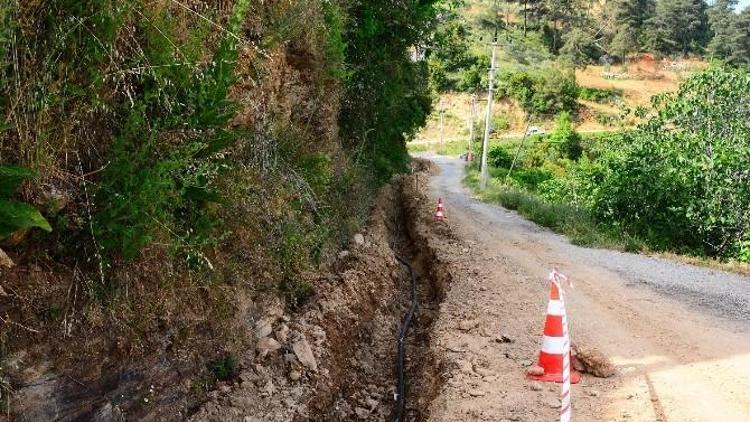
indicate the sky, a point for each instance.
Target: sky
{"x":743,"y":4}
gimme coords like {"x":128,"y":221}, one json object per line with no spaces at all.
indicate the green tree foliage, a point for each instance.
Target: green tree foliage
{"x":450,"y":57}
{"x":740,"y":39}
{"x":579,"y":48}
{"x":387,"y":95}
{"x":500,"y":157}
{"x":722,"y":21}
{"x":681,"y":180}
{"x":630,"y":18}
{"x":565,"y":138}
{"x":561,"y":16}
{"x":541,"y":91}
{"x":678,"y":26}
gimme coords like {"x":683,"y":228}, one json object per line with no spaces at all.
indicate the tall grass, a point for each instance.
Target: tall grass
{"x":576,"y":223}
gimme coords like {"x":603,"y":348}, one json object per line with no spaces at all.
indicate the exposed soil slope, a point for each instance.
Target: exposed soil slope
{"x":351,"y":329}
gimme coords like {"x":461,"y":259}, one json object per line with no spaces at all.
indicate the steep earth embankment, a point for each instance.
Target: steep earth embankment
{"x":336,"y":359}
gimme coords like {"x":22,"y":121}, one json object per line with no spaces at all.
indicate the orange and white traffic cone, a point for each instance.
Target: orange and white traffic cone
{"x":552,"y":359}
{"x":440,"y":212}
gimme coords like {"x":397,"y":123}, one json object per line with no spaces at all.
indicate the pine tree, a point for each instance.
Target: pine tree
{"x":678,"y":26}
{"x":722,"y":20}
{"x":630,"y":17}
{"x":740,"y":40}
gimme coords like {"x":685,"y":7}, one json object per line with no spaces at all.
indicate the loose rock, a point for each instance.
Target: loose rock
{"x":263,"y":328}
{"x":535,"y":371}
{"x":267,"y":345}
{"x":362,"y":413}
{"x":503,"y":339}
{"x":477,"y":393}
{"x":304,"y":353}
{"x":5,"y":260}
{"x":592,"y":361}
{"x":282,"y":333}
{"x":467,"y":325}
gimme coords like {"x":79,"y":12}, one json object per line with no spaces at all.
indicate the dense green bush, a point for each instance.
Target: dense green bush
{"x":500,"y":157}
{"x":541,"y":92}
{"x":500,"y":122}
{"x":530,"y":178}
{"x":224,"y":368}
{"x":565,"y":138}
{"x":388,"y":96}
{"x":153,"y":189}
{"x":600,"y":95}
{"x":681,"y":180}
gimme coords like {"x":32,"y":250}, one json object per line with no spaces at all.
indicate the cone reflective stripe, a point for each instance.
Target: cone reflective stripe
{"x":554,"y":357}
{"x":440,"y":212}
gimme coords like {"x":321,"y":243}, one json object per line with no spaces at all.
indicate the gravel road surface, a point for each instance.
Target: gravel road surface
{"x":679,"y":335}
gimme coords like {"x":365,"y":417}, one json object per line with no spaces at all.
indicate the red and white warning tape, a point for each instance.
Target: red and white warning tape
{"x":565,"y":407}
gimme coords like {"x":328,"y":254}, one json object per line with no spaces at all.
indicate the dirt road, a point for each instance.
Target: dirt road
{"x":679,"y":335}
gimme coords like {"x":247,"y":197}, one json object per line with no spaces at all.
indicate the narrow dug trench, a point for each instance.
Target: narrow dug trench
{"x":422,"y":369}
{"x":347,"y":369}
{"x":364,"y":348}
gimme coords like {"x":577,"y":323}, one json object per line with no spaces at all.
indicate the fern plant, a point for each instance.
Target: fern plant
{"x":14,"y":215}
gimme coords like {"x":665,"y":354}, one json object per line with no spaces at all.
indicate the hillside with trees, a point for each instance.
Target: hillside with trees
{"x":663,"y":84}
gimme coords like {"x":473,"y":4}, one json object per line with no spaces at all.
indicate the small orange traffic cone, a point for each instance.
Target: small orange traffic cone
{"x":440,"y":212}
{"x":551,"y":356}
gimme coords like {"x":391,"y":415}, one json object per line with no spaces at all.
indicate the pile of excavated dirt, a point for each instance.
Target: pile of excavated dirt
{"x":336,"y":358}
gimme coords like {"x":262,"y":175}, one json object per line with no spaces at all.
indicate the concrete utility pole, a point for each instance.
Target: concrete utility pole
{"x":472,"y":120}
{"x":488,"y":121}
{"x":442,"y":118}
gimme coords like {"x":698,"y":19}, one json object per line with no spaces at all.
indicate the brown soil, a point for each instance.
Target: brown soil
{"x":354,"y":325}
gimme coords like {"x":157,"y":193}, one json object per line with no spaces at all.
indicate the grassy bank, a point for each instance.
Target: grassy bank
{"x":577,"y":224}
{"x":449,"y":148}
{"x":573,"y":222}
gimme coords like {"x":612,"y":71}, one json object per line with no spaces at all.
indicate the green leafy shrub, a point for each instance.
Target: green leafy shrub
{"x":607,"y":119}
{"x":500,"y":157}
{"x":317,"y":170}
{"x":600,"y":95}
{"x":501,"y":122}
{"x":531,"y":178}
{"x":335,"y":44}
{"x":565,"y":138}
{"x":680,"y":181}
{"x":159,"y":190}
{"x":547,"y":91}
{"x":14,"y":215}
{"x":224,"y":368}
